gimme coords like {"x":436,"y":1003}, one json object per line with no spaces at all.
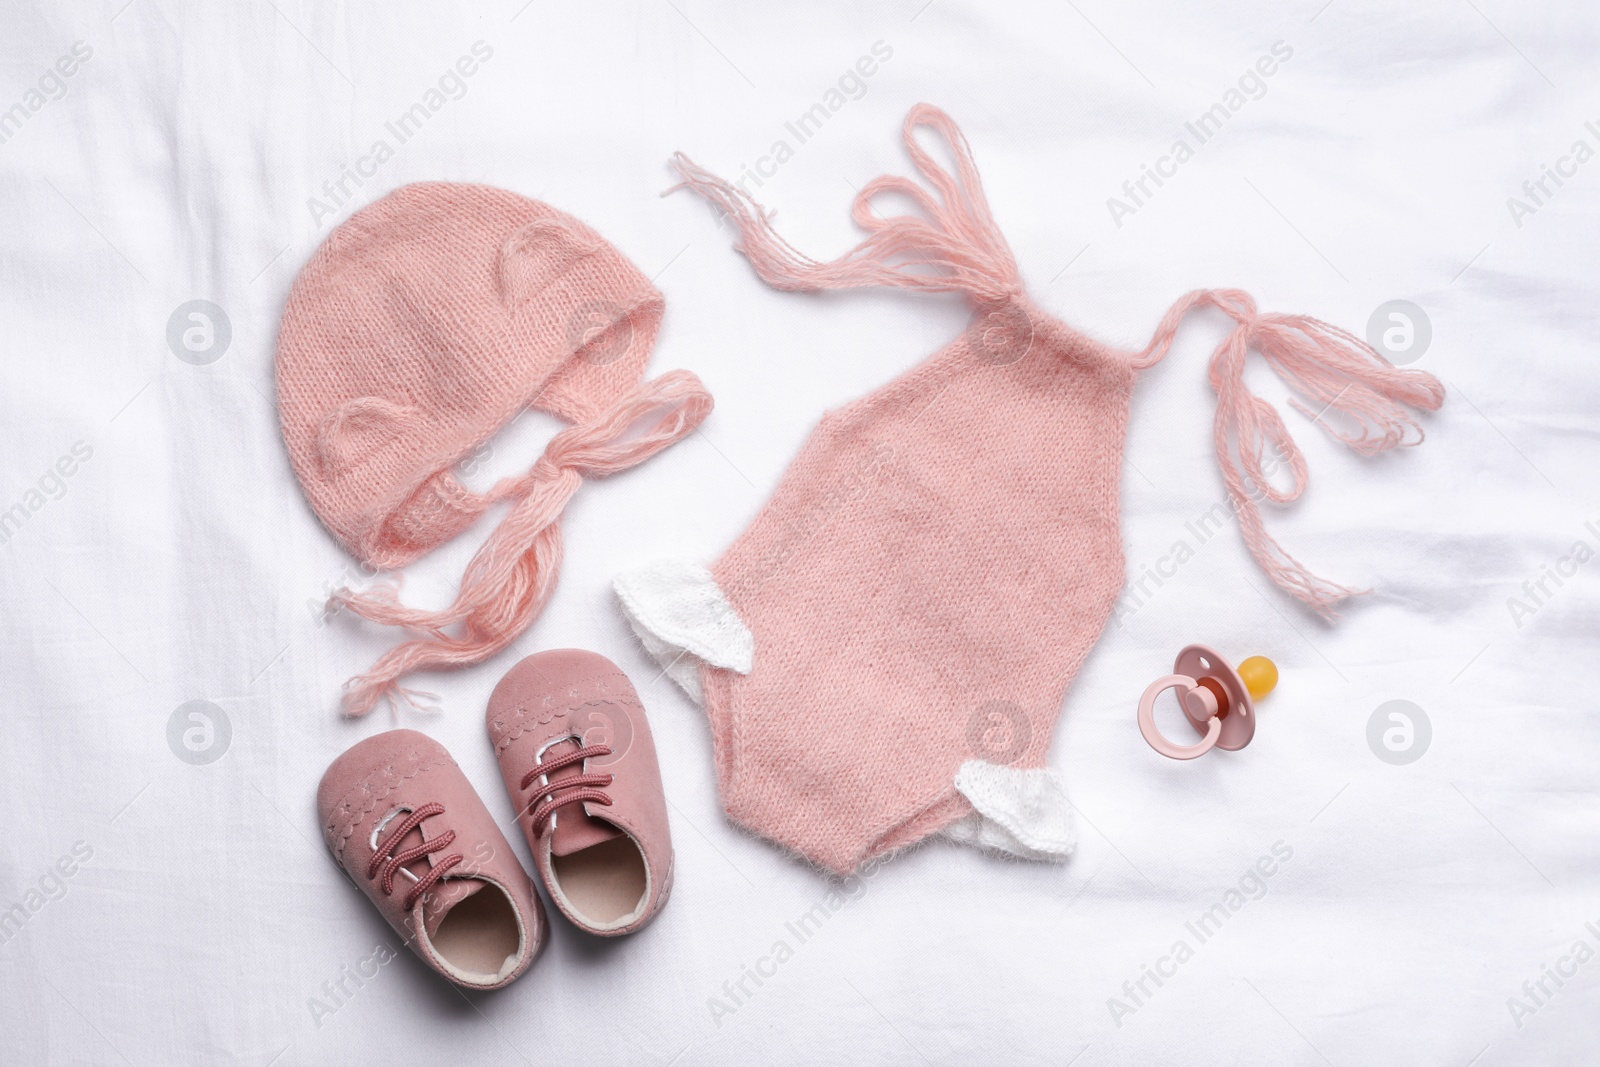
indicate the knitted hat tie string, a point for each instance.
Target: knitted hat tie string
{"x":513,"y":573}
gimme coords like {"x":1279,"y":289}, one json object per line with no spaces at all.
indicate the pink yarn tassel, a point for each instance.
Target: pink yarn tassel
{"x":957,"y":243}
{"x":511,"y":577}
{"x":1330,"y":367}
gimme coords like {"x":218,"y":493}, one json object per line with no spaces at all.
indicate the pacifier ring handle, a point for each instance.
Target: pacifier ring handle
{"x":1147,"y":718}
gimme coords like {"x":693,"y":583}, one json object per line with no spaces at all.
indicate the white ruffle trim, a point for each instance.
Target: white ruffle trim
{"x":683,"y":620}
{"x":1022,"y":812}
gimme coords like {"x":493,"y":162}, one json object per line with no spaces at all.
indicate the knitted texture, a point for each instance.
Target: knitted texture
{"x":943,"y":553}
{"x":421,"y":326}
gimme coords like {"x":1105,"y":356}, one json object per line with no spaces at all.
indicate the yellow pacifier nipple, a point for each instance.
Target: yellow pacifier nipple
{"x":1259,"y":675}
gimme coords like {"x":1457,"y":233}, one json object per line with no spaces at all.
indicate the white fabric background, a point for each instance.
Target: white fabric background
{"x":179,"y":561}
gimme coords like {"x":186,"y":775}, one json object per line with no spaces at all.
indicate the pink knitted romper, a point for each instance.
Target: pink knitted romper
{"x":884,"y":652}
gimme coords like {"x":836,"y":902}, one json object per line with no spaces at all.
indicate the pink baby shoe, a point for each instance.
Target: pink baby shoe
{"x":408,"y":828}
{"x":578,"y":760}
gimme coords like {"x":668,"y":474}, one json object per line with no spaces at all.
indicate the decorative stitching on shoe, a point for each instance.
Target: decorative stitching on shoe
{"x":522,"y":722}
{"x":374,"y":799}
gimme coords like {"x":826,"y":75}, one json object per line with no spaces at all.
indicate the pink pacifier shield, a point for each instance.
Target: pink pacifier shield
{"x":1239,"y":725}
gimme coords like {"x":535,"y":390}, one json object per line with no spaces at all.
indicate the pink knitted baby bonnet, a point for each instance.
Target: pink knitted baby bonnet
{"x":424,"y":324}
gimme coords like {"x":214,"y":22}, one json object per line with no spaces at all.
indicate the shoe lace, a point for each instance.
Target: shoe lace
{"x":386,"y":863}
{"x":556,"y":795}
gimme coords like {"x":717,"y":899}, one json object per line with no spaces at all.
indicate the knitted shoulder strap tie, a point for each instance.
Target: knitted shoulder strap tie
{"x":958,"y":238}
{"x":957,"y":246}
{"x":1328,"y":366}
{"x":514,"y":571}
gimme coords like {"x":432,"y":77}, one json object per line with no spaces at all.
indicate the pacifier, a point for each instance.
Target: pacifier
{"x":1216,"y":699}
